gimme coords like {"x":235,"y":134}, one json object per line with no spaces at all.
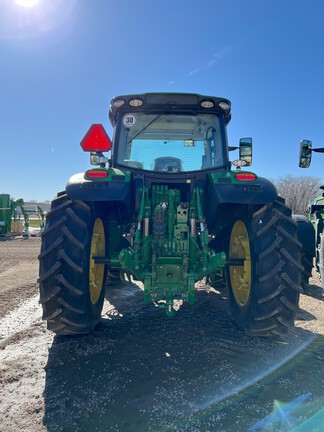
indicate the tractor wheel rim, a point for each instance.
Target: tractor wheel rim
{"x":96,"y":271}
{"x":240,"y":275}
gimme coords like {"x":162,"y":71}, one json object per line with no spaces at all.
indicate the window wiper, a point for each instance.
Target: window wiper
{"x":146,"y":126}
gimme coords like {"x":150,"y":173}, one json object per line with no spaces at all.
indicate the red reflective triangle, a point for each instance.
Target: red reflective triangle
{"x":96,"y":139}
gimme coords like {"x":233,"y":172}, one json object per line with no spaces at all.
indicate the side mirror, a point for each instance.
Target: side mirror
{"x":305,"y":153}
{"x":245,"y":151}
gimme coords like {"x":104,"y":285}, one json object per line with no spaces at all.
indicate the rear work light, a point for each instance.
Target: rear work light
{"x":207,"y":103}
{"x":97,"y":174}
{"x":96,"y":139}
{"x":118,"y":103}
{"x":135,"y":102}
{"x":245,"y":176}
{"x":224,"y":105}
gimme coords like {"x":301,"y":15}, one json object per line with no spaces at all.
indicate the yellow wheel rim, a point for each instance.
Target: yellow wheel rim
{"x":96,"y":271}
{"x":240,"y":275}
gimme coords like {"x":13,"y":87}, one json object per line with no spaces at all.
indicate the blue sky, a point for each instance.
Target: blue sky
{"x":62,"y":61}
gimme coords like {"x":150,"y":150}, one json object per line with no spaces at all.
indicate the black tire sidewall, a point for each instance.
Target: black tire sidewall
{"x":70,"y":310}
{"x":276,"y":273}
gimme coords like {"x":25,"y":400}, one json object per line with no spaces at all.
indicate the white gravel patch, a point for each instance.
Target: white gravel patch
{"x":21,"y":318}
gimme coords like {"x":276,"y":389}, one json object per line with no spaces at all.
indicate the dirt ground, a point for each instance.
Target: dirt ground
{"x":141,"y":371}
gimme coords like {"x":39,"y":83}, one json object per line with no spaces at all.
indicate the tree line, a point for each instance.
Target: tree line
{"x":298,"y":191}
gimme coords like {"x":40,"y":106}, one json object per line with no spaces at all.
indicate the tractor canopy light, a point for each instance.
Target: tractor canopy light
{"x":224,"y":105}
{"x":135,"y":102}
{"x":118,"y":103}
{"x":97,"y":174}
{"x":207,"y":104}
{"x":96,"y":139}
{"x":245,"y":176}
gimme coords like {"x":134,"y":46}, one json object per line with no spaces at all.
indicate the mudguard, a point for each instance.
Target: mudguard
{"x":306,"y":234}
{"x":225,"y":193}
{"x":117,"y":189}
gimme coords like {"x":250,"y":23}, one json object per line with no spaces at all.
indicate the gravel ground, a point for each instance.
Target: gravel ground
{"x":141,"y":371}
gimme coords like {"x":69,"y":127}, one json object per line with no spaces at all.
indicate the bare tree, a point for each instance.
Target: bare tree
{"x":298,"y":191}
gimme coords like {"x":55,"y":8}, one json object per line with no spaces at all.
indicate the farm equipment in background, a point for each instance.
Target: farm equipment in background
{"x":41,"y":214}
{"x":166,"y":209}
{"x":10,"y":216}
{"x":38,"y":211}
{"x":9,"y":219}
{"x":311,"y":229}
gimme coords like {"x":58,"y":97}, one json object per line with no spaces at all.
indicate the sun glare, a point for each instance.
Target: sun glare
{"x":27,"y":3}
{"x":26,"y":20}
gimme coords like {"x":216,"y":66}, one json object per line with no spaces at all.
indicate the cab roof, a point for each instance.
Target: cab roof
{"x":169,"y":102}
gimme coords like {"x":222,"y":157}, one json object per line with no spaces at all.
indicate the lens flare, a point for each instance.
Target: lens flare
{"x":27,"y":20}
{"x":27,"y":3}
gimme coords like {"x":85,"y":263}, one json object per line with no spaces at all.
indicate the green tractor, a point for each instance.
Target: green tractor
{"x":9,"y":220}
{"x":311,"y":229}
{"x":166,"y":209}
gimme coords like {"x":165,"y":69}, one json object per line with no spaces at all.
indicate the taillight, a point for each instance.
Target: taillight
{"x":97,"y":174}
{"x":96,"y":139}
{"x":245,"y":176}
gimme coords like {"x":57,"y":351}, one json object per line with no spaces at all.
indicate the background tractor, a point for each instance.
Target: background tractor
{"x":165,"y":208}
{"x":10,"y":216}
{"x":311,"y":229}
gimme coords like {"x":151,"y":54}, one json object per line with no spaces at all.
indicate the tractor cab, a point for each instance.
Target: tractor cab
{"x":169,"y":133}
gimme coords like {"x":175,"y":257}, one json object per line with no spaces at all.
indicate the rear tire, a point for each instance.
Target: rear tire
{"x":71,"y":284}
{"x":321,"y":258}
{"x":307,"y":261}
{"x":306,"y":236}
{"x":264,"y":293}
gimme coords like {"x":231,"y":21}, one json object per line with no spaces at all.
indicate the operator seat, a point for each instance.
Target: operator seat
{"x":168,"y":164}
